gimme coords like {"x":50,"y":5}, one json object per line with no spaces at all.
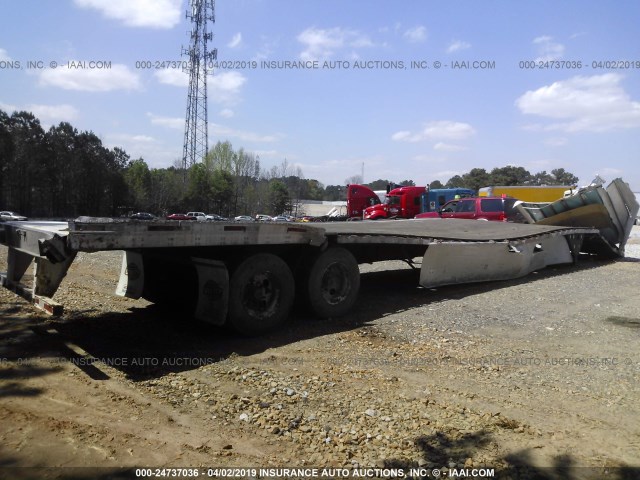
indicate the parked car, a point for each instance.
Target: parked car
{"x":243,"y":218}
{"x":212,"y":217}
{"x":143,"y":216}
{"x":263,"y":218}
{"x":281,"y":218}
{"x":476,"y":208}
{"x":199,"y":216}
{"x":180,"y":216}
{"x":11,"y":217}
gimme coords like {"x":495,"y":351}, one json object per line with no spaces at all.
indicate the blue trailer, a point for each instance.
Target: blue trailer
{"x":432,"y":199}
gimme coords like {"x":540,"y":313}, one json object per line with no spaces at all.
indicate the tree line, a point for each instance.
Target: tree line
{"x":65,"y":173}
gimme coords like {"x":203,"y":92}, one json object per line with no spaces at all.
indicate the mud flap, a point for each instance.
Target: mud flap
{"x":131,"y":281}
{"x":213,"y":291}
{"x":458,"y":262}
{"x":48,"y":275}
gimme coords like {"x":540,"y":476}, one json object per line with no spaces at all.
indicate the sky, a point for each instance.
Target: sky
{"x":413,"y":89}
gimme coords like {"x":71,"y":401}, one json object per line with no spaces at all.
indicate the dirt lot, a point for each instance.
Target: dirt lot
{"x":535,"y":378}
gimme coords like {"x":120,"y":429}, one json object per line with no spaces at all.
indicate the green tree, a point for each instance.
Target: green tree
{"x":166,"y":190}
{"x":6,"y":155}
{"x":455,"y":182}
{"x":199,"y":188}
{"x":64,"y":168}
{"x":27,"y":168}
{"x":476,"y":178}
{"x":137,"y":177}
{"x":279,"y":199}
{"x":436,"y":184}
{"x":542,"y":178}
{"x":315,"y":190}
{"x":221,"y":156}
{"x":334,"y":193}
{"x":510,"y":175}
{"x":221,"y":192}
{"x":379,"y":184}
{"x":562,"y":177}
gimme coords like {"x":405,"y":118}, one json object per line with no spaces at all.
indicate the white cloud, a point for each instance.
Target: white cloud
{"x":416,"y":34}
{"x":53,"y":113}
{"x":153,"y":150}
{"x":138,"y":13}
{"x":597,"y":103}
{"x":169,"y":122}
{"x":226,"y":113}
{"x":118,"y":77}
{"x":324,"y":43}
{"x":221,"y":87}
{"x":236,"y":41}
{"x":4,"y":56}
{"x":458,"y":45}
{"x":225,"y":87}
{"x":171,"y":76}
{"x":47,"y":114}
{"x":266,"y":49}
{"x":403,"y":135}
{"x":448,"y":147}
{"x":214,"y":129}
{"x":9,"y":108}
{"x":437,"y":130}
{"x":548,"y":50}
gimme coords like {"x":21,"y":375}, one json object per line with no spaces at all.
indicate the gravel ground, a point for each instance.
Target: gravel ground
{"x":537,"y":377}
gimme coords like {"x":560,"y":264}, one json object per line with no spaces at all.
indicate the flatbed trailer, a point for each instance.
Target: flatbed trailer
{"x":249,"y":274}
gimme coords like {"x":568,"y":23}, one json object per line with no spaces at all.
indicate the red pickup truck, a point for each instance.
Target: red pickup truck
{"x":498,"y":209}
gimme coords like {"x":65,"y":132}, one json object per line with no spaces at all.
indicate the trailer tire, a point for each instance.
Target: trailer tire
{"x":261,"y":293}
{"x":332,"y":283}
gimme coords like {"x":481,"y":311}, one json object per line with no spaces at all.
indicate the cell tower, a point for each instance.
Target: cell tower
{"x":196,"y":144}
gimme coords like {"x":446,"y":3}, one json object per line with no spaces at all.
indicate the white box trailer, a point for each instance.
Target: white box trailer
{"x":248,"y":275}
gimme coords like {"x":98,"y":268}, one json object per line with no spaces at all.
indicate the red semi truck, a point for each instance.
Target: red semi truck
{"x":407,"y":202}
{"x":360,"y":197}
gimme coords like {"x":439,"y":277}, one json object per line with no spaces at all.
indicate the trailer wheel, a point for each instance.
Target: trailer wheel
{"x":261,"y":293}
{"x":333,"y":282}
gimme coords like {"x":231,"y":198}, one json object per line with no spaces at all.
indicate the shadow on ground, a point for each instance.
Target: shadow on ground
{"x":441,"y":451}
{"x":151,"y":342}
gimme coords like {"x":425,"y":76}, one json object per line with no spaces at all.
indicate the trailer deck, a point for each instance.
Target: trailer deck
{"x":95,"y":234}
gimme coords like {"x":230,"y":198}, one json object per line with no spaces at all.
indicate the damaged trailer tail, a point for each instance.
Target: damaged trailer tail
{"x":613,"y":211}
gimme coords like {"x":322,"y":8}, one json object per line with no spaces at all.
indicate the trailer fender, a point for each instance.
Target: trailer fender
{"x":261,"y":294}
{"x":332,"y":282}
{"x":213,"y":291}
{"x":450,"y":263}
{"x":131,"y":282}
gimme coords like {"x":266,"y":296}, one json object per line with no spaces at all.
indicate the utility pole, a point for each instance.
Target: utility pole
{"x":196,"y":143}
